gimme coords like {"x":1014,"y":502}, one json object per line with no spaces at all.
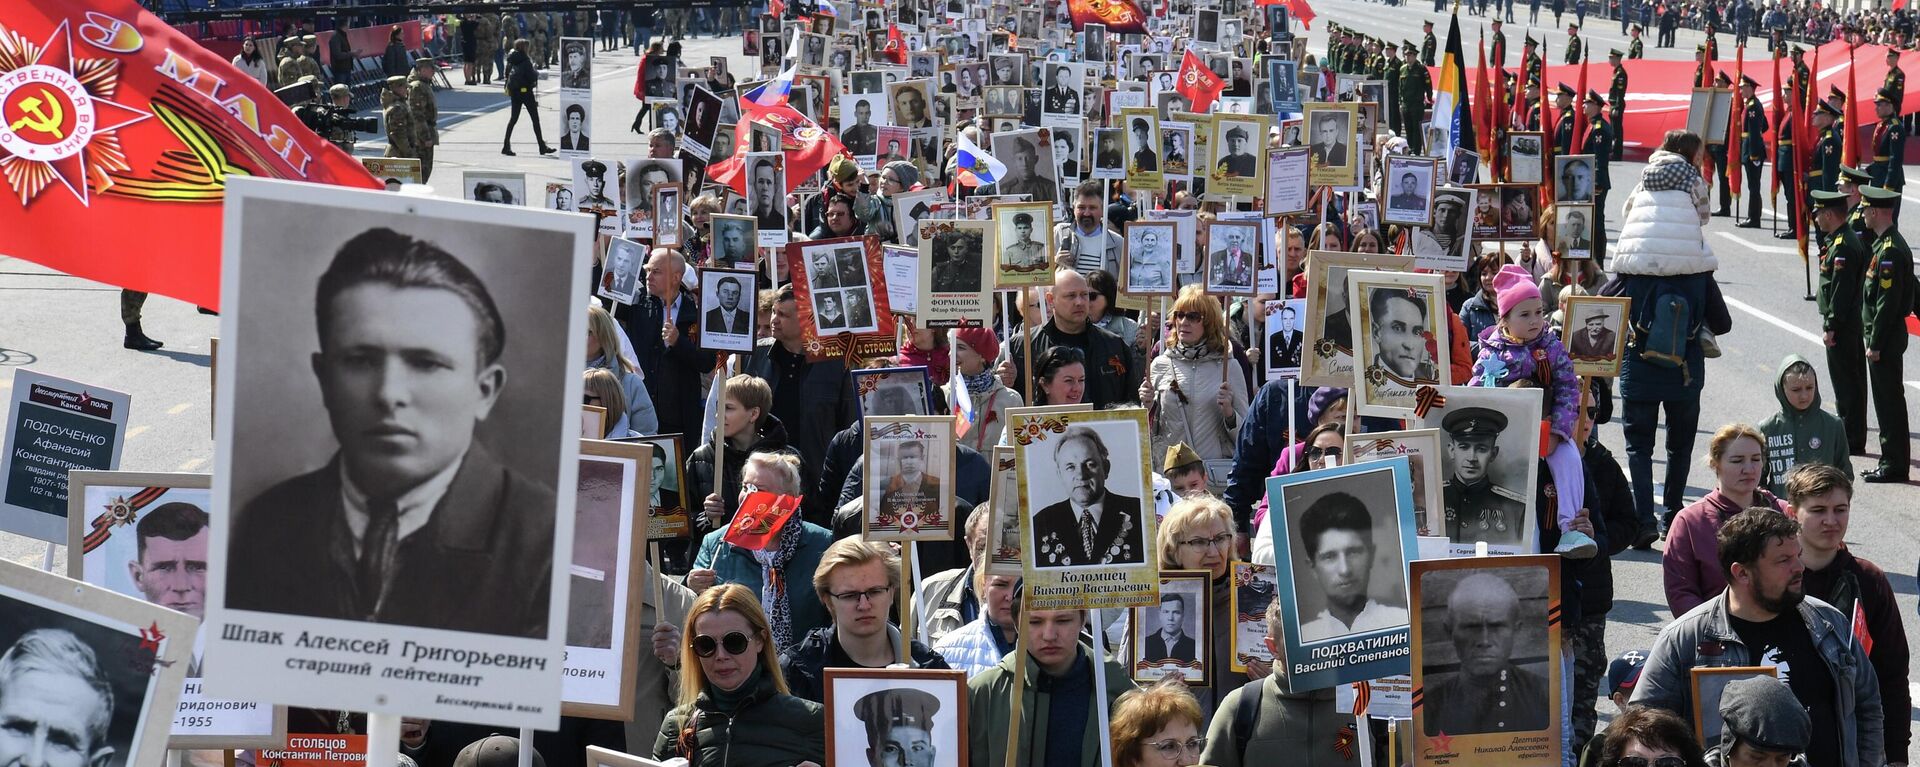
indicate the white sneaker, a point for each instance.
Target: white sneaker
{"x":1576,"y":545}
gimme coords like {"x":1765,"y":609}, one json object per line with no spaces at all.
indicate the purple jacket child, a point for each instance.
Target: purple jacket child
{"x":1507,"y":360}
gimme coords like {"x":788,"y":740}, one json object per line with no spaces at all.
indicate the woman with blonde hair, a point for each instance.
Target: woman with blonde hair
{"x":1158,"y":726}
{"x":734,"y":706}
{"x":600,"y":389}
{"x":604,"y":353}
{"x":1193,"y":391}
{"x":1197,"y":534}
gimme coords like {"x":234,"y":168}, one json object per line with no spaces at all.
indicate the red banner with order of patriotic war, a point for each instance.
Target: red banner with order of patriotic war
{"x":117,"y":135}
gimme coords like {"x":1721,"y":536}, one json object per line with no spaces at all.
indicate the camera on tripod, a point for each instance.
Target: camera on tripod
{"x":308,"y":99}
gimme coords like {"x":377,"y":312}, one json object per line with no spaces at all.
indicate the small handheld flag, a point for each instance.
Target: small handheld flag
{"x":971,"y":158}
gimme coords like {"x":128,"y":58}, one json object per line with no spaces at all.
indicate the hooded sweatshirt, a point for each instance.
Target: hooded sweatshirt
{"x":1795,"y":437}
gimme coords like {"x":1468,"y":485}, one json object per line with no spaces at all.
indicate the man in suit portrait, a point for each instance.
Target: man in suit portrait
{"x":1337,"y":533}
{"x":1408,"y":196}
{"x":1171,"y":642}
{"x":859,"y":137}
{"x":1329,"y":141}
{"x":727,"y":317}
{"x":1283,"y":347}
{"x":732,"y":248}
{"x":413,"y":521}
{"x":575,"y":138}
{"x":910,"y":109}
{"x":768,"y":208}
{"x":1593,"y":341}
{"x":910,"y":488}
{"x":1091,"y":526}
{"x":1573,"y":233}
{"x":1232,"y":264}
{"x":1144,"y":156}
{"x":1238,"y":162}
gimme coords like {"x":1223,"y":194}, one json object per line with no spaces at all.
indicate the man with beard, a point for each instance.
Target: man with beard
{"x":1478,"y":509}
{"x":1092,"y":525}
{"x":1763,"y":618}
{"x":1489,"y":693}
{"x":1337,"y":533}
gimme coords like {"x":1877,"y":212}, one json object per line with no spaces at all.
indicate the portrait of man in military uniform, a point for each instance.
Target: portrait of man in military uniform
{"x":895,"y":718}
{"x":1030,"y":166}
{"x":857,"y":131}
{"x":1480,"y":506}
{"x":1023,"y":233}
{"x":1470,"y":664}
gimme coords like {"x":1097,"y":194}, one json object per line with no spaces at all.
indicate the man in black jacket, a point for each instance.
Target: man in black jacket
{"x":664,"y":331}
{"x":858,"y":580}
{"x":1112,"y":378}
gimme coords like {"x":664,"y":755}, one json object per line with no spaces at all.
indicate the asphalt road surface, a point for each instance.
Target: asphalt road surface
{"x":66,"y":326}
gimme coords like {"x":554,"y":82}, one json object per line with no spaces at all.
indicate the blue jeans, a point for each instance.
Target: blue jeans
{"x":641,"y":36}
{"x":1639,"y":422}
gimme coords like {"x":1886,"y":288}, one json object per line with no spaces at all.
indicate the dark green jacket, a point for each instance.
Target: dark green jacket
{"x":1300,"y":730}
{"x":1842,"y":264}
{"x":1887,"y":294}
{"x":1795,"y":437}
{"x":990,"y":713}
{"x":768,"y":729}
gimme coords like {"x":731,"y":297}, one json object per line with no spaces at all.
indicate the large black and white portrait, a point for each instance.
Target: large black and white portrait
{"x":912,"y":103}
{"x":1283,"y":83}
{"x":1447,"y":242}
{"x":1486,"y":659}
{"x":576,"y":125}
{"x":495,"y":187}
{"x":1149,"y":266}
{"x":1328,"y":360}
{"x":1031,"y":170}
{"x":727,"y":323}
{"x":620,"y":274}
{"x":1332,"y":158}
{"x":859,"y":115}
{"x":896,"y":716}
{"x":1007,"y":69}
{"x":1170,"y":637}
{"x":1234,"y":252}
{"x":1234,"y":147}
{"x":733,"y":241}
{"x":1022,"y":234}
{"x":703,"y":120}
{"x":400,"y":378}
{"x":1573,"y":230}
{"x":1109,"y":153}
{"x":1573,"y":178}
{"x":1343,"y":534}
{"x":1400,"y":337}
{"x":1490,"y":447}
{"x":1084,"y":490}
{"x":908,"y":459}
{"x":88,"y":677}
{"x":1407,"y":188}
{"x":968,"y":79}
{"x":841,"y":292}
{"x":643,"y":176}
{"x":576,"y":63}
{"x":766,"y":196}
{"x":1206,"y":26}
{"x":1596,"y":333}
{"x":1003,"y":101}
{"x":958,"y":259}
{"x":1065,"y":88}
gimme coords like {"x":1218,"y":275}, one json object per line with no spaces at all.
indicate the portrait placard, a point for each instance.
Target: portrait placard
{"x":1069,"y":462}
{"x":667,"y":516}
{"x":1023,"y":235}
{"x":1285,"y":341}
{"x":593,"y":422}
{"x":1109,"y":153}
{"x":1524,"y":157}
{"x":911,"y":208}
{"x":394,"y":171}
{"x":1171,"y":637}
{"x":304,"y":278}
{"x":1506,"y":609}
{"x":495,"y":187}
{"x":1342,"y":537}
{"x":1465,"y":168}
{"x":1254,"y":588}
{"x":1235,"y":256}
{"x":734,"y":243}
{"x":908,"y":458}
{"x":1572,"y":231}
{"x":609,"y":557}
{"x":1003,"y":532}
{"x":841,"y":287}
{"x":766,"y":196}
{"x":1176,"y":143}
{"x":1237,"y":170}
{"x":1333,"y":159}
{"x":1573,"y":178}
{"x":1400,"y":339}
{"x":1287,"y":171}
{"x":1709,"y":685}
{"x":620,"y":273}
{"x":1143,"y":147}
{"x":1407,"y":188}
{"x":1031,"y":167}
{"x":53,"y":426}
{"x":902,"y":265}
{"x":1708,"y":110}
{"x":729,"y":325}
{"x":576,"y":124}
{"x":1330,"y":327}
{"x":1422,"y":450}
{"x":1517,"y":218}
{"x":1148,"y":269}
{"x":576,"y":63}
{"x":893,"y":391}
{"x":957,"y":289}
{"x":144,"y":535}
{"x":666,"y":215}
{"x":873,"y":713}
{"x":115,"y":661}
{"x":1595,"y":331}
{"x":1447,"y":243}
{"x":1490,"y":448}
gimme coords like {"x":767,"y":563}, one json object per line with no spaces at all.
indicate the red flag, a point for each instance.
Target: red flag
{"x":1483,"y":108}
{"x":1300,"y":10}
{"x":1706,"y":70}
{"x":1850,"y":124}
{"x":1860,"y":628}
{"x":896,"y":46}
{"x":1736,"y":122}
{"x":1579,"y":141}
{"x":1196,"y":83}
{"x":1779,"y":117}
{"x":807,"y":147}
{"x":761,"y":517}
{"x":119,"y":128}
{"x":1804,"y":105}
{"x":1120,"y":16}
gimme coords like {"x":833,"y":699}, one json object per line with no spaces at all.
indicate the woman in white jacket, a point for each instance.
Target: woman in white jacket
{"x":1662,"y":230}
{"x":1192,"y":392}
{"x":252,"y":62}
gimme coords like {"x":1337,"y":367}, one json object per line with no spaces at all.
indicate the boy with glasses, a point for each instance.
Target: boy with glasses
{"x":857,"y":580}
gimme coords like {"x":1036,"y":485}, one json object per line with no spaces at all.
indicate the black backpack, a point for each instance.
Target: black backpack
{"x":1245,"y":714}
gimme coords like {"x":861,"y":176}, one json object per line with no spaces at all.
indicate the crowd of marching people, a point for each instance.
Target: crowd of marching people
{"x":1755,"y":571}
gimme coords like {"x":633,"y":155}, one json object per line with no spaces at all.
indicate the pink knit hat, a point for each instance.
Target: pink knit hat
{"x":1512,"y":285}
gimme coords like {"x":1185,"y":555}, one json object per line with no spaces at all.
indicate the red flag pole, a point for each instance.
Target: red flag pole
{"x":1579,"y":112}
{"x":1850,"y":122}
{"x":1736,"y":123}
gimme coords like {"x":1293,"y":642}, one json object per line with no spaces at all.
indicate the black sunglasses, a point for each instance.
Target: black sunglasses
{"x":1323,"y":452}
{"x":735,"y":643}
{"x":1641,"y":761}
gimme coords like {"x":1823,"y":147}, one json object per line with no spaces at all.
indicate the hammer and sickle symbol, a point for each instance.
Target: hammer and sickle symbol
{"x":37,"y":119}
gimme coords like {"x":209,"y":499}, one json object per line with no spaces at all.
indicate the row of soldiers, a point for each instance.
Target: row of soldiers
{"x":411,"y":115}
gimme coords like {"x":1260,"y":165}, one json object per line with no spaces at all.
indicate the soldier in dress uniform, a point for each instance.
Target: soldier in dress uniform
{"x":1499,"y":49}
{"x":1753,"y":148}
{"x":1842,"y":262}
{"x":1394,"y":91}
{"x":1599,"y":141}
{"x":426,"y":114}
{"x":1896,"y":81}
{"x":1889,"y":142}
{"x":1563,"y":96}
{"x":1886,"y":298}
{"x":1477,"y":507}
{"x":1617,"y":102}
{"x":1574,"y":47}
{"x":1823,"y":172}
{"x":398,"y":117}
{"x":1416,"y":85}
{"x":1428,"y":44}
{"x":1636,"y":47}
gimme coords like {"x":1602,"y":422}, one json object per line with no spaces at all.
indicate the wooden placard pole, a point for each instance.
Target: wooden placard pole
{"x":1100,"y":690}
{"x":1018,"y":701}
{"x":905,"y":655}
{"x":1026,"y":347}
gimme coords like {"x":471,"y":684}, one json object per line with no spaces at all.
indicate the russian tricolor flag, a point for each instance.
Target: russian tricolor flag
{"x":972,"y":159}
{"x":775,"y":92}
